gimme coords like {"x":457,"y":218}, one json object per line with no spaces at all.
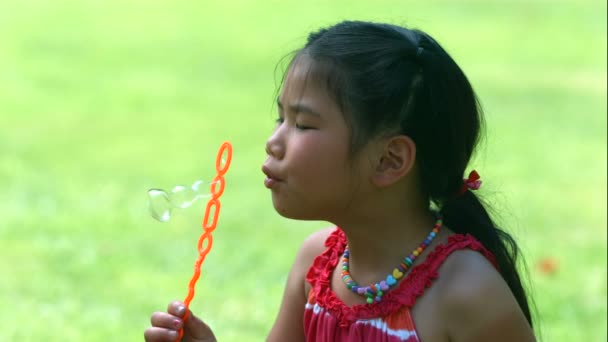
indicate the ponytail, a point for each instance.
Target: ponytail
{"x":453,"y":112}
{"x":465,"y":214}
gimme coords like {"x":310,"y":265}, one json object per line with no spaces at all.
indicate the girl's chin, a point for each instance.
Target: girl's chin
{"x":294,"y":215}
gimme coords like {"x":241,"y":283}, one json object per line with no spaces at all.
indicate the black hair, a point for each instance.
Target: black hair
{"x":394,"y":80}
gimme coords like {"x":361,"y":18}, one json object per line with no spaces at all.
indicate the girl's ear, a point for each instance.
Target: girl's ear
{"x":396,"y":160}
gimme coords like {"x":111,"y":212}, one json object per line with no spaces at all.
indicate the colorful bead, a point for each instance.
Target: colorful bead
{"x":376,"y":291}
{"x":383,"y":285}
{"x":397,"y":274}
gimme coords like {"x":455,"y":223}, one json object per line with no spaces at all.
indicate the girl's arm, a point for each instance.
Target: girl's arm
{"x":477,"y":303}
{"x":289,"y":325}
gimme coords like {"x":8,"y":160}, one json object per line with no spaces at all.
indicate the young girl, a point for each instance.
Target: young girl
{"x":376,"y":127}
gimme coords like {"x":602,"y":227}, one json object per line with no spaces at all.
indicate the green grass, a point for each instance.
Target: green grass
{"x":101,"y":100}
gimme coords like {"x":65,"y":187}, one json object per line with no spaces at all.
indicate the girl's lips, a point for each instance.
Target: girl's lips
{"x":271,"y":180}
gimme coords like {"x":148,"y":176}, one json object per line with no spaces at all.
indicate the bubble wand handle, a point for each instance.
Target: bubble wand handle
{"x":212,"y":212}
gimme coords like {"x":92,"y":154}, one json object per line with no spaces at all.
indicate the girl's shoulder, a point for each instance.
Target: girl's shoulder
{"x":314,"y":245}
{"x":464,"y":268}
{"x":288,"y":325}
{"x":475,"y":300}
{"x":466,"y":272}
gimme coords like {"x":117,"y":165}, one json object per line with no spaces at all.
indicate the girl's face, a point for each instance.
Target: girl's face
{"x":308,"y":167}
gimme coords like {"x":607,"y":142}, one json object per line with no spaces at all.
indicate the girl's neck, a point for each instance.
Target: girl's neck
{"x":377,"y":243}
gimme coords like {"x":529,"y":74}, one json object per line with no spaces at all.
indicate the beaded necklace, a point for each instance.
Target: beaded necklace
{"x":376,"y":291}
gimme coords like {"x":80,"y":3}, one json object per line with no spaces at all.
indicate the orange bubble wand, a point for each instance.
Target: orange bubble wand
{"x":212,"y":210}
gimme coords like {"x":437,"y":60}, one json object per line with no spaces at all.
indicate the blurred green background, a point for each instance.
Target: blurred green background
{"x":102,"y":100}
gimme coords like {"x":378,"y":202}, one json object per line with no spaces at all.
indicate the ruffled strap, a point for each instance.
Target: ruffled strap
{"x":319,"y":273}
{"x":413,"y":286}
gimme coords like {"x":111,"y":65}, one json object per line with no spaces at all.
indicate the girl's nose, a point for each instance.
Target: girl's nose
{"x":275,"y":147}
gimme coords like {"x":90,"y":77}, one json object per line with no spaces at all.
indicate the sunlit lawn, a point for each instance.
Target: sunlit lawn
{"x":101,"y":100}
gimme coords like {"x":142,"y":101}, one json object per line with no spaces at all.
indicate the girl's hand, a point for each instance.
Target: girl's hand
{"x":166,"y":325}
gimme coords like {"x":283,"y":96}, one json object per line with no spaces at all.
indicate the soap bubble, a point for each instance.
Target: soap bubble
{"x":181,"y":196}
{"x":161,"y":203}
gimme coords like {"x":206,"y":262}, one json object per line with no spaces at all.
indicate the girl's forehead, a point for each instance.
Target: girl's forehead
{"x":300,"y":68}
{"x":306,"y":86}
{"x":299,"y":75}
{"x":305,"y":79}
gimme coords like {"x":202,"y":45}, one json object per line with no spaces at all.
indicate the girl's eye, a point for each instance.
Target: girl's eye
{"x":280,"y":120}
{"x":302,"y":127}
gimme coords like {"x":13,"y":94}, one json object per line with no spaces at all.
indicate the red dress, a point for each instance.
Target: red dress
{"x":327,"y":318}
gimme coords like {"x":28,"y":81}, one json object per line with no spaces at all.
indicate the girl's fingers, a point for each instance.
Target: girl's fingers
{"x":194,"y":326}
{"x":155,"y":334}
{"x":177,"y":308}
{"x":165,"y":325}
{"x":165,"y":320}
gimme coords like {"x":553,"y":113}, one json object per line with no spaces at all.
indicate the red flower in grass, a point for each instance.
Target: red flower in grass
{"x":547,"y":265}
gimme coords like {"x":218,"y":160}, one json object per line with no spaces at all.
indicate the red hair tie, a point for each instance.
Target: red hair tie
{"x":471,"y":183}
